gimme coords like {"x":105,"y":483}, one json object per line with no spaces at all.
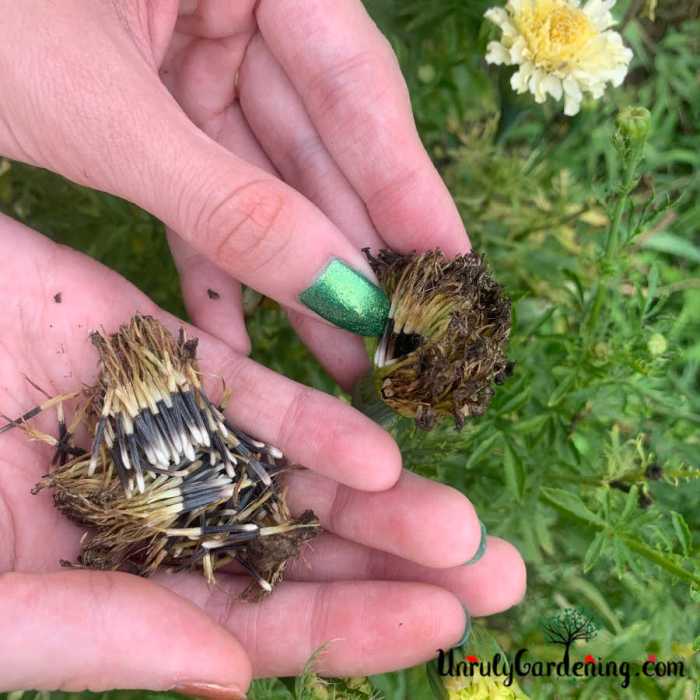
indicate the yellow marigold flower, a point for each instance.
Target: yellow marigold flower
{"x":480,"y":687}
{"x":562,"y":49}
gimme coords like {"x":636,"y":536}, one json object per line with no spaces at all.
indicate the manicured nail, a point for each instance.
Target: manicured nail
{"x":210,"y":691}
{"x":467,"y":629}
{"x":482,"y":545}
{"x":347,"y":299}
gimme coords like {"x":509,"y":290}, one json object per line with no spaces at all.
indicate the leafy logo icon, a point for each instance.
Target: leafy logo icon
{"x":568,"y":626}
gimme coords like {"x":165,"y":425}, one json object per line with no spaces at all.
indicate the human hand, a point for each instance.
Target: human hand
{"x":309,"y":92}
{"x":386,"y":581}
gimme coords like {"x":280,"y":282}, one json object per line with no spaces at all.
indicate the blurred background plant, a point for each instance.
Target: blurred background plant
{"x":588,"y":457}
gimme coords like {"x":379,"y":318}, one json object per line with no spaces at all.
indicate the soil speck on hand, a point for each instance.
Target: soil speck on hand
{"x":213,"y":294}
{"x":58,"y":297}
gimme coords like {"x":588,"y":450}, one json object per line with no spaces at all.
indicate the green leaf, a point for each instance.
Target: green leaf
{"x":571,"y":504}
{"x":682,"y":532}
{"x":515,"y":402}
{"x":632,"y":561}
{"x":540,"y":321}
{"x":595,"y":549}
{"x":544,"y":536}
{"x":289,"y":684}
{"x":671,"y":244}
{"x":620,"y":557}
{"x":514,"y":471}
{"x":576,"y":281}
{"x":564,"y":387}
{"x":533,"y":424}
{"x":597,"y":599}
{"x":436,"y":681}
{"x":481,"y":449}
{"x":630,"y":504}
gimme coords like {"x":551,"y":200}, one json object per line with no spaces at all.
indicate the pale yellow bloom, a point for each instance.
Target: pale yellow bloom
{"x":480,"y":687}
{"x":562,"y":49}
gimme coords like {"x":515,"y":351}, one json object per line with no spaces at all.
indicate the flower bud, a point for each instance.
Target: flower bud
{"x":633,"y":127}
{"x":657,"y":344}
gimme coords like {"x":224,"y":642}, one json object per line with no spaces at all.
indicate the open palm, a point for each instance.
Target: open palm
{"x":385,"y":581}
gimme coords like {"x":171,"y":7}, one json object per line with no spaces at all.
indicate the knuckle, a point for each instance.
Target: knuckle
{"x":331,"y":88}
{"x":307,"y":155}
{"x":294,"y":418}
{"x":219,"y":603}
{"x":242,"y":229}
{"x":340,"y":508}
{"x":394,"y":190}
{"x":377,"y":565}
{"x":321,"y":613}
{"x":231,"y":367}
{"x":308,"y":408}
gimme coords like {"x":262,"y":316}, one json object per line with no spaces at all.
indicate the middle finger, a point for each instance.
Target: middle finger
{"x":417,"y":519}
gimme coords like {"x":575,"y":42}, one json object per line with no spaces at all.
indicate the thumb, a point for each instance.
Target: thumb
{"x":86,"y":630}
{"x":107,"y":120}
{"x":248,"y":222}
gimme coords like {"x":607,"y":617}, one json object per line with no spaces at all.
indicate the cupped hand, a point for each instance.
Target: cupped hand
{"x":385,"y":585}
{"x":271,"y":135}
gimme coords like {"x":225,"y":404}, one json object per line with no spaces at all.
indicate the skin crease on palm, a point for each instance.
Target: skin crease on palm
{"x":299,"y":95}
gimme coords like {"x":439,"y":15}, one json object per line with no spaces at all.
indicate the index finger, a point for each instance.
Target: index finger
{"x":312,"y":428}
{"x":350,"y":82}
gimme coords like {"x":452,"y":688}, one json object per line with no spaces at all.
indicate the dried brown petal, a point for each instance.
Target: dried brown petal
{"x":445,"y":341}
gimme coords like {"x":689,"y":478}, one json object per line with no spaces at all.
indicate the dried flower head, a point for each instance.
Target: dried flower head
{"x":168,"y":481}
{"x":445,"y":340}
{"x":562,"y":49}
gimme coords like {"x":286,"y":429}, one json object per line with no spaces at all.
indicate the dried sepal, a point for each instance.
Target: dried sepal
{"x":445,"y":341}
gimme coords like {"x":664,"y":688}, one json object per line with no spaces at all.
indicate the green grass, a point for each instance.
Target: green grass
{"x":596,"y":397}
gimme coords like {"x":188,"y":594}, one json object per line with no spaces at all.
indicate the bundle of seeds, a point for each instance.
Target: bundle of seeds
{"x":444,"y":342}
{"x":168,"y":481}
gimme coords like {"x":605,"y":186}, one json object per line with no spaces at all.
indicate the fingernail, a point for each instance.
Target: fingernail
{"x":347,"y":299}
{"x":482,"y":546}
{"x":467,"y":629}
{"x":210,"y":691}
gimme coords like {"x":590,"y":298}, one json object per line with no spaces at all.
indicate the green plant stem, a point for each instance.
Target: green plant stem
{"x":631,"y":479}
{"x":593,"y":483}
{"x":612,"y":244}
{"x":366,"y":400}
{"x":658,"y":559}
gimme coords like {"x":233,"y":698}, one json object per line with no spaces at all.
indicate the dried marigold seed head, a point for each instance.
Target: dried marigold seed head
{"x":445,"y":341}
{"x":168,"y":481}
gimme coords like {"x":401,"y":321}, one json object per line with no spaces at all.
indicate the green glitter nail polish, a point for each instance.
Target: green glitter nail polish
{"x":467,"y":628}
{"x":347,"y":299}
{"x":482,"y":545}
